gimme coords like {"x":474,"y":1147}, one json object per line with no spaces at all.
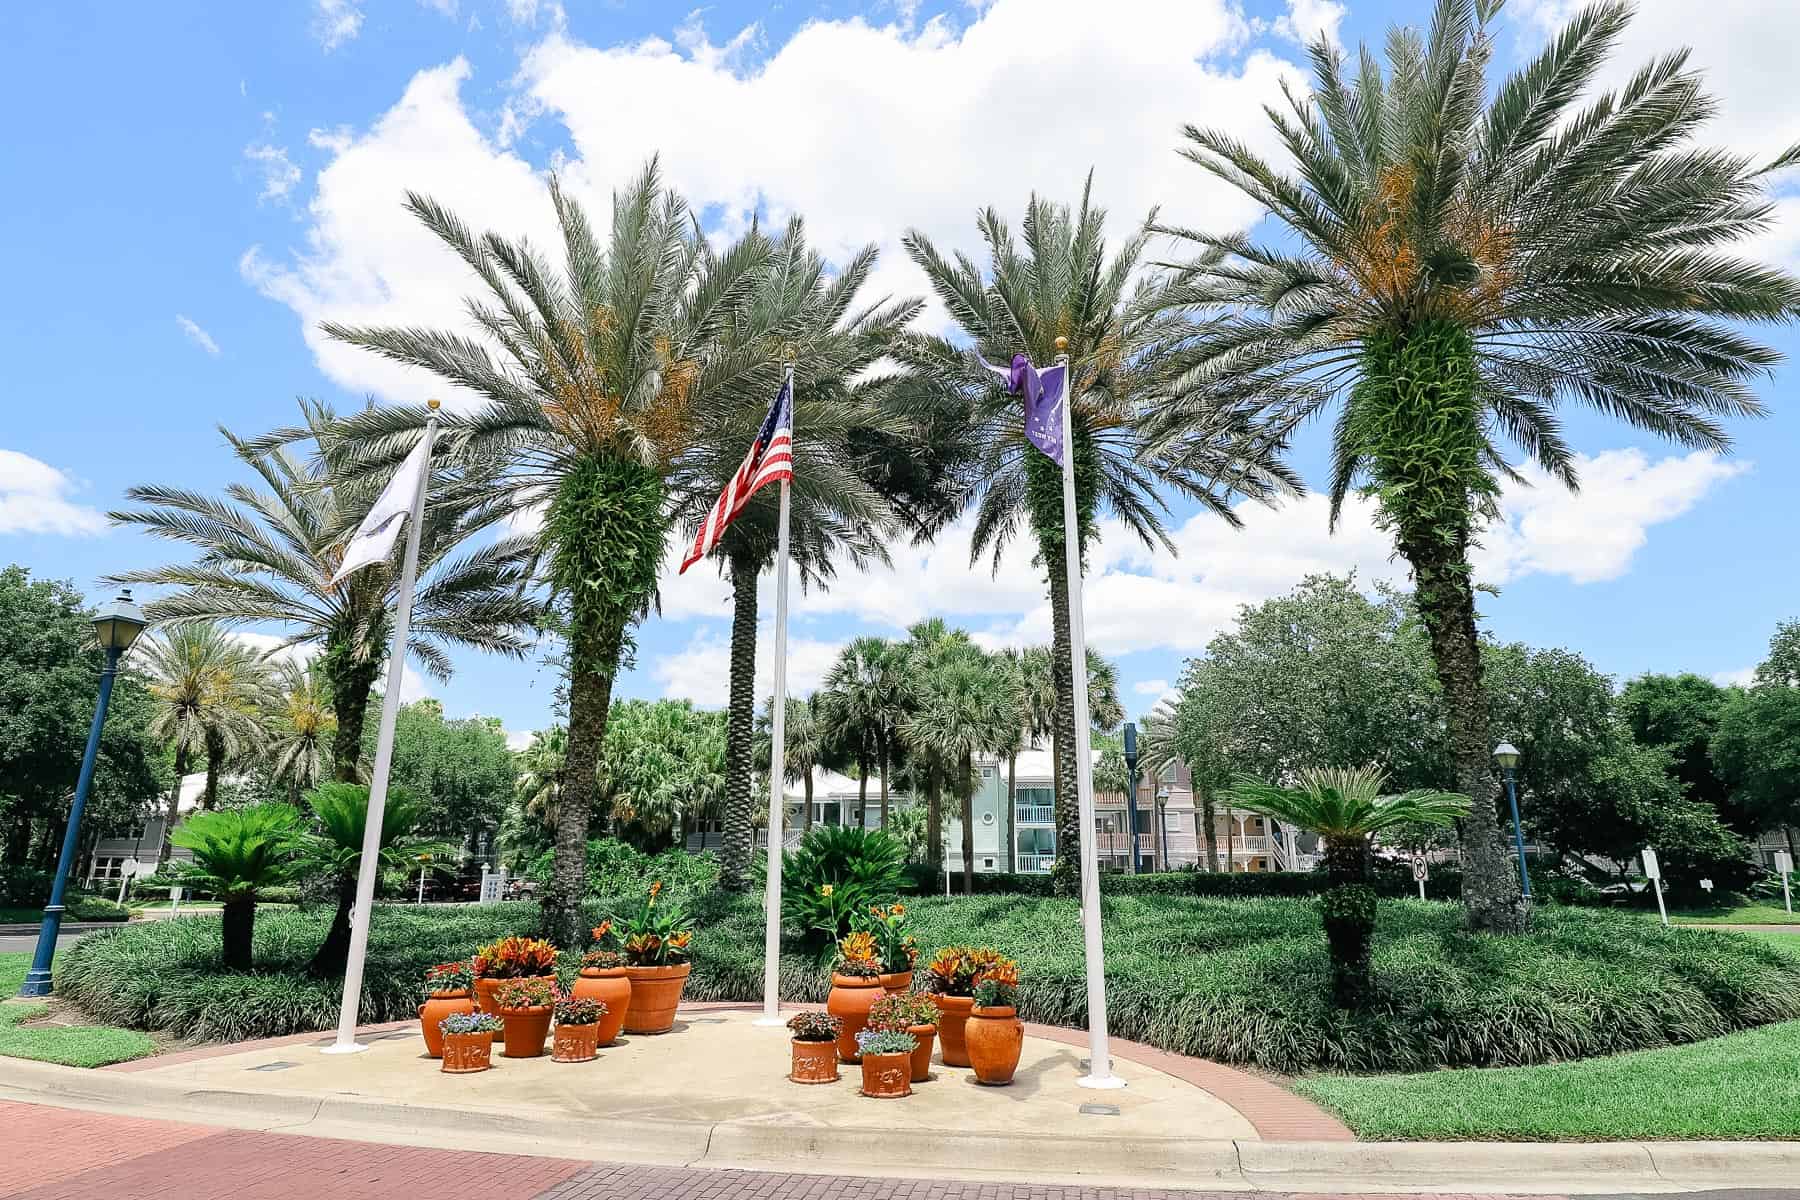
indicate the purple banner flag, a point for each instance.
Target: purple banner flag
{"x":1043,"y":392}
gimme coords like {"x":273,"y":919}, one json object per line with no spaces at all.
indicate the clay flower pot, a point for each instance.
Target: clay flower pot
{"x":994,"y":1037}
{"x":485,"y":987}
{"x":952,"y":1012}
{"x":887,"y":1076}
{"x":611,"y":987}
{"x":436,"y":1007}
{"x":526,"y":1030}
{"x":574,"y":1043}
{"x":898,"y":983}
{"x":921,"y":1057}
{"x":467,"y":1052}
{"x":850,"y":1000}
{"x":814,"y":1062}
{"x":655,"y":995}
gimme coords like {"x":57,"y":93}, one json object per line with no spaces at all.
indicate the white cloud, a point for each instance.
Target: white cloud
{"x":197,"y":335}
{"x":701,"y":671}
{"x":34,"y":499}
{"x":1742,"y":677}
{"x":278,"y":174}
{"x":336,"y":22}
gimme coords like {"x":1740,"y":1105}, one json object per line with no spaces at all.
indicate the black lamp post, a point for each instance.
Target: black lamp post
{"x":1131,"y":814}
{"x":116,"y":626}
{"x":1507,"y":756}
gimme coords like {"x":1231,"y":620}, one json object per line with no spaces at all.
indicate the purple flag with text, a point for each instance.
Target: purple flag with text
{"x":1043,"y":392}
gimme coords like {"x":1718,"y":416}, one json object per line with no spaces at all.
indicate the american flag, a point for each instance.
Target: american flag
{"x":770,"y":460}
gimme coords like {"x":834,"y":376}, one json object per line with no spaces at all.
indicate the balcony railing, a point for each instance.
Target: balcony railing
{"x":1035,"y":814}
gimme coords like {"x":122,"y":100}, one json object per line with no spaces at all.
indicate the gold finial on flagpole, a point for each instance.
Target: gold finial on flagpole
{"x":433,"y":403}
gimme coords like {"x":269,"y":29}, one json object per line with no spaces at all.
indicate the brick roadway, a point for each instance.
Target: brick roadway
{"x":64,"y":1154}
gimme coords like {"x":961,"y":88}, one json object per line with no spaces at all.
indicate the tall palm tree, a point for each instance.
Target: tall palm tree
{"x":601,"y":382}
{"x":267,"y":556}
{"x":836,"y":515}
{"x":1465,"y":261}
{"x":301,"y":733}
{"x":1062,"y":284}
{"x":962,"y":708}
{"x":208,"y":687}
{"x":864,"y":702}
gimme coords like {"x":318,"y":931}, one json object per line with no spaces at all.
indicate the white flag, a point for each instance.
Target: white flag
{"x":375,"y":536}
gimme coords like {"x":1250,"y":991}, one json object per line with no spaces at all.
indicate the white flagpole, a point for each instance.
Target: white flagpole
{"x":384,"y":756}
{"x":771,"y":1014}
{"x":1100,"y":1072}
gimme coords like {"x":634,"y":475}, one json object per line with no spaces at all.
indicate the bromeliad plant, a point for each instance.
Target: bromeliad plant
{"x":515,"y":958}
{"x":813,"y":1027}
{"x":526,"y":993}
{"x":654,"y":936}
{"x":902,"y":1012}
{"x":458,"y":976}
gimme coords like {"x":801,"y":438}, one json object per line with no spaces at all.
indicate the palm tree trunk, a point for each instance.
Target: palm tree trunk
{"x":1012,"y":812}
{"x":965,"y":787}
{"x":739,"y":846}
{"x":173,"y":812}
{"x":237,"y":929}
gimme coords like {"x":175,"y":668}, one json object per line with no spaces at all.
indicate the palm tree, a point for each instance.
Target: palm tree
{"x":961,"y":708}
{"x":864,"y":702}
{"x":602,"y":382}
{"x":836,"y":515}
{"x":267,"y":556}
{"x":303,"y":727}
{"x":1468,"y":259}
{"x":237,"y":853}
{"x":1346,"y":809}
{"x":1061,"y":284}
{"x":207,"y":686}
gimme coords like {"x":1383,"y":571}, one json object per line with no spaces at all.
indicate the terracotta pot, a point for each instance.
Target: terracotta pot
{"x":952,"y":1012}
{"x":921,"y":1057}
{"x":887,"y":1076}
{"x":436,"y":1007}
{"x":574,"y":1043}
{"x":486,"y":987}
{"x":611,"y":987}
{"x":814,"y":1062}
{"x":994,"y":1037}
{"x":655,"y":995}
{"x":898,"y":983}
{"x":850,"y":1000}
{"x":525,"y":1032}
{"x":468,"y":1052}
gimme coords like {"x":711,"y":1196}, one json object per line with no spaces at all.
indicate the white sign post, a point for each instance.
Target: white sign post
{"x":1784,"y":863}
{"x":1653,"y":870}
{"x":1421,"y":873}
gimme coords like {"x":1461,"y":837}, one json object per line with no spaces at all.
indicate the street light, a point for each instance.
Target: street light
{"x":1507,"y":755}
{"x":116,"y":626}
{"x":1131,"y":821}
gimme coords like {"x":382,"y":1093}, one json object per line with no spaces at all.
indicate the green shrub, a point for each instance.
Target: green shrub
{"x":836,"y":874}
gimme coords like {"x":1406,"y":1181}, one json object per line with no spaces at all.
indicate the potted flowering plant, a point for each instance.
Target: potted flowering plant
{"x":577,"y":1028}
{"x":855,"y":985}
{"x":525,"y":1008}
{"x":950,"y":981}
{"x":909,"y":1012}
{"x":886,"y":1056}
{"x":656,"y":943}
{"x":510,"y":958}
{"x":449,"y":988}
{"x":994,"y":1035}
{"x":468,"y":1041}
{"x":815,"y":1047}
{"x":894,"y":946}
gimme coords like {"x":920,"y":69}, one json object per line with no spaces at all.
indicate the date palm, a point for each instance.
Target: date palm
{"x":301,"y":732}
{"x":267,"y":555}
{"x":601,"y":380}
{"x":1061,"y":282}
{"x":1465,"y":261}
{"x":863,"y":701}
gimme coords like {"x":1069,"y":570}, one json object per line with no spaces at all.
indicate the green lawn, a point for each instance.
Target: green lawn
{"x":70,"y":1045}
{"x":1736,"y":914}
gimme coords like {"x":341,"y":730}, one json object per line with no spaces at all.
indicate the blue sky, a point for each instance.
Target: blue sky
{"x":192,"y":188}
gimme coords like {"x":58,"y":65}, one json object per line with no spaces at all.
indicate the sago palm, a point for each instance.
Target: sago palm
{"x":1061,"y":283}
{"x":237,"y":853}
{"x":601,"y":378}
{"x":1465,"y":261}
{"x":301,"y":732}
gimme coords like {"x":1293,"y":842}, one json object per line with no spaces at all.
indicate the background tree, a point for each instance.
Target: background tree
{"x":1465,"y":259}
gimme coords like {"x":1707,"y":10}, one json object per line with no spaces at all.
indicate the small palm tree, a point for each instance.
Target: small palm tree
{"x":208,"y":687}
{"x":1465,"y":260}
{"x":1346,"y":809}
{"x":237,"y":853}
{"x":301,"y":732}
{"x":864,"y":702}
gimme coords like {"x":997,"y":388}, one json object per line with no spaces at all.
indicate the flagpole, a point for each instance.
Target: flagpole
{"x":384,"y":756}
{"x":771,"y":1015}
{"x":1100,"y":1072}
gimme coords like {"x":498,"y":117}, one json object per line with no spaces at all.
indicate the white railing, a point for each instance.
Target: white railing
{"x":1035,"y":814}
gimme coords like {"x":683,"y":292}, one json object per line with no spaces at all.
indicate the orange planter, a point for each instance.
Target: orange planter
{"x":921,"y":1057}
{"x":994,"y":1037}
{"x":850,"y":999}
{"x":887,"y":1076}
{"x":952,"y":1012}
{"x":438,"y":1006}
{"x":526,"y":1031}
{"x":574,"y":1043}
{"x":814,"y":1062}
{"x":485,"y":987}
{"x":655,"y":995}
{"x":898,"y":983}
{"x":610,"y":987}
{"x":465,"y":1053}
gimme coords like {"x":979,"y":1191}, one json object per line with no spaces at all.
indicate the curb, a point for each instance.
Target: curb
{"x":1289,"y":1166}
